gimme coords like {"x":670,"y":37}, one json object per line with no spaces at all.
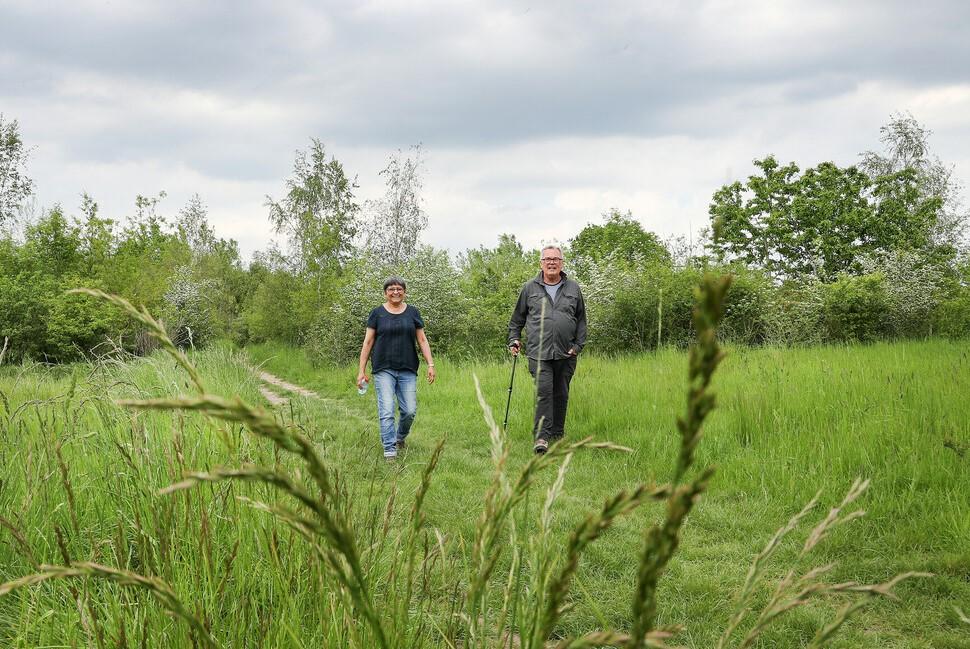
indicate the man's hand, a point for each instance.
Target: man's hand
{"x":431,"y":374}
{"x":361,"y":377}
{"x":571,"y":352}
{"x":514,"y":347}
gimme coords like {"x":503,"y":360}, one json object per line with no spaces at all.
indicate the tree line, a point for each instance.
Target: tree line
{"x":826,"y":254}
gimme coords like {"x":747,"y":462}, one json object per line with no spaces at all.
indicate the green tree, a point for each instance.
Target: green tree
{"x":820,"y":222}
{"x":146,"y":256}
{"x":39,"y":318}
{"x":828,"y":223}
{"x":318,"y":213}
{"x":15,"y":185}
{"x":53,"y":244}
{"x":273,"y":309}
{"x":490,"y":279}
{"x":621,"y":237}
{"x":97,"y":238}
{"x":906,"y":148}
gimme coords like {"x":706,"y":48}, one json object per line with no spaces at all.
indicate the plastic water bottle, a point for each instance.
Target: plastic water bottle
{"x":362,"y":388}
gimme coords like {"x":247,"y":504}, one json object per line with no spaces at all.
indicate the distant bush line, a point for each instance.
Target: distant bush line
{"x":635,"y":301}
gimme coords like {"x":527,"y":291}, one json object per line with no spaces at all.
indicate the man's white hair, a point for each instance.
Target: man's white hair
{"x":548,"y":244}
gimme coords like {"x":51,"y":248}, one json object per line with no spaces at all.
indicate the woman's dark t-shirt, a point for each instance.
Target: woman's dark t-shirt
{"x":395,"y":337}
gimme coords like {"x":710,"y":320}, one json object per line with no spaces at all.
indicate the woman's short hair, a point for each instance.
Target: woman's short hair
{"x":394,"y":280}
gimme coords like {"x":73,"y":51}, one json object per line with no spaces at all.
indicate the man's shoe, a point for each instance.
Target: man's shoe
{"x":390,"y":459}
{"x":401,"y":444}
{"x":541,"y":446}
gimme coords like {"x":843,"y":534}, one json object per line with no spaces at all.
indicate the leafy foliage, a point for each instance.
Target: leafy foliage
{"x":823,"y":221}
{"x":621,"y":237}
{"x":15,"y":185}
{"x":490,"y":280}
{"x":820,"y":222}
{"x":318,"y":212}
{"x":396,"y":220}
{"x":432,"y":286}
{"x":149,"y":261}
{"x":855,"y":308}
{"x":906,"y":148}
{"x":826,"y":254}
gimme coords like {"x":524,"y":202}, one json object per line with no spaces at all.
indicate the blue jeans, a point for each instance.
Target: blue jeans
{"x":403,"y":385}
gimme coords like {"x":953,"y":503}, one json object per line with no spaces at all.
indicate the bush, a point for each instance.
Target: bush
{"x":24,"y":302}
{"x":76,"y":324}
{"x":490,"y":280}
{"x":747,"y":314}
{"x":626,"y":304}
{"x":856,"y":308}
{"x":188,"y":311}
{"x":796,"y":314}
{"x":270,"y":313}
{"x":432,"y":286}
{"x":914,"y":290}
{"x":952,"y":316}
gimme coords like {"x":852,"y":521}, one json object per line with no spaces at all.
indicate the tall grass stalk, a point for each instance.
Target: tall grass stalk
{"x":502,"y":497}
{"x":797,"y":589}
{"x":661,"y":540}
{"x":86,"y":570}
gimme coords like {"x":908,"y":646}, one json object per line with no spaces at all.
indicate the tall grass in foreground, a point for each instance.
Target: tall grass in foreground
{"x":412,"y":587}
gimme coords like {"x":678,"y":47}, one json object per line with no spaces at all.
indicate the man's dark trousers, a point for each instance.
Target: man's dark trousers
{"x":552,"y":395}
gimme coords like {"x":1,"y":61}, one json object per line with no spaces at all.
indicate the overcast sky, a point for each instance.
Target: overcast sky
{"x":535,"y":118}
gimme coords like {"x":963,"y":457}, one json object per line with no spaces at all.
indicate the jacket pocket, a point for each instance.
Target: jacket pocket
{"x":567,"y":304}
{"x":536,"y":305}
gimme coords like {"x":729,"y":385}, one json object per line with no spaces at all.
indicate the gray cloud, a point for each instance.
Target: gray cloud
{"x":229,"y":90}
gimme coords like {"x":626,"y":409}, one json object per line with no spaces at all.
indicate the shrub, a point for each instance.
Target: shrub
{"x":490,"y":280}
{"x":269,"y":315}
{"x":856,"y":308}
{"x":628,"y":304}
{"x":746,"y":317}
{"x":913,"y":288}
{"x":188,"y":313}
{"x":432,"y":286}
{"x":23,"y":312}
{"x":76,"y":324}
{"x":952,"y":316}
{"x":796,"y":314}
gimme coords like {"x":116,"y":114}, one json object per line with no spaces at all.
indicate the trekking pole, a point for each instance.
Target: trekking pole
{"x":505,"y":424}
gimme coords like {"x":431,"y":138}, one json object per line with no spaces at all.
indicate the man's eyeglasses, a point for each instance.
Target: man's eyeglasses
{"x":549,"y":260}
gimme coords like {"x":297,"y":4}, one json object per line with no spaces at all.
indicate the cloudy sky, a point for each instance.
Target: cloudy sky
{"x":535,"y":118}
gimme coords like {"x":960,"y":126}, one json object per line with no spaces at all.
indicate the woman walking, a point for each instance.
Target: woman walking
{"x":392,"y":330}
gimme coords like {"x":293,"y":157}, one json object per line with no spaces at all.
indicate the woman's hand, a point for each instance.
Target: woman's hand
{"x":431,"y":374}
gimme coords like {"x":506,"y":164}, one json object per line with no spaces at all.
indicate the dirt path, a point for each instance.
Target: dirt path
{"x":274,"y":384}
{"x":274,"y":399}
{"x":266,"y":377}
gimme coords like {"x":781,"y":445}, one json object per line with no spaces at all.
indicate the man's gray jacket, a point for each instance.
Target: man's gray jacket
{"x":561,"y":324}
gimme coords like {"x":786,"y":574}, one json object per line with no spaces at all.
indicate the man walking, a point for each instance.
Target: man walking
{"x":552,"y":310}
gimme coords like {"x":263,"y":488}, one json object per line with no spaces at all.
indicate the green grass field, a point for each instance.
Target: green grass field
{"x":789,"y":423}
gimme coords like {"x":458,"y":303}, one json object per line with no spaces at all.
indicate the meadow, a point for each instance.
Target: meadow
{"x":81,"y":479}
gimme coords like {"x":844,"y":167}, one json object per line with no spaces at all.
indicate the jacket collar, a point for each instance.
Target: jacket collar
{"x":562,"y":278}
